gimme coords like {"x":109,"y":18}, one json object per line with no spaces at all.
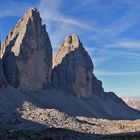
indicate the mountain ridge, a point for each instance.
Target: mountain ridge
{"x":27,"y":65}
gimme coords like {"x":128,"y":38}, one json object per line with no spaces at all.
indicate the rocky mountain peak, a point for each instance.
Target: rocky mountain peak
{"x":73,"y":67}
{"x":72,"y":41}
{"x":32,"y":11}
{"x":32,"y":14}
{"x":27,"y":53}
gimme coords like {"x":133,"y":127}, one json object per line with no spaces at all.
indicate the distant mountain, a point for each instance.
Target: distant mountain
{"x":132,"y":102}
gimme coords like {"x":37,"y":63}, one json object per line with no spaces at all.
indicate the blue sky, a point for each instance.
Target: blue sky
{"x":109,"y":30}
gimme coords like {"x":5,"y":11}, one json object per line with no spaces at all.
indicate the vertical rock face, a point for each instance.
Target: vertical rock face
{"x":2,"y":77}
{"x":97,"y":88}
{"x":72,"y":68}
{"x":27,"y":53}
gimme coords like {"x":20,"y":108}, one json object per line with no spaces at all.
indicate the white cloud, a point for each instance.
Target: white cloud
{"x":60,"y":25}
{"x":50,"y":10}
{"x":109,"y":73}
{"x":126,"y":44}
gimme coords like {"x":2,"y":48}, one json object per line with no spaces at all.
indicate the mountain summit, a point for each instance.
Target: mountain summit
{"x":27,"y":53}
{"x":73,"y":67}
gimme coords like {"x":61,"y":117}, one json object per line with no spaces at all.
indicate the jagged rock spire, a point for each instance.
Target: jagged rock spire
{"x":28,"y":53}
{"x":70,"y":43}
{"x":73,"y":67}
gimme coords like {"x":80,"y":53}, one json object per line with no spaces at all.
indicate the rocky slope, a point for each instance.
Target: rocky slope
{"x":32,"y":117}
{"x":27,"y":54}
{"x":132,"y":102}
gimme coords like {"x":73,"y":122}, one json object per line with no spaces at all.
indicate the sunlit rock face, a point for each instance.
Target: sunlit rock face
{"x":27,"y":53}
{"x":72,"y":68}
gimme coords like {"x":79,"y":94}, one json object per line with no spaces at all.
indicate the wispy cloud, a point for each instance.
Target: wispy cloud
{"x":50,"y":10}
{"x":14,"y":8}
{"x":59,"y":24}
{"x":103,"y":36}
{"x":109,"y":73}
{"x":121,"y":24}
{"x":126,"y":21}
{"x":126,"y":44}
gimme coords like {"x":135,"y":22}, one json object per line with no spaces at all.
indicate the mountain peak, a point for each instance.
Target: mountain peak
{"x":71,"y":43}
{"x":31,"y":12}
{"x":73,"y":67}
{"x":29,"y":47}
{"x":33,"y":9}
{"x":72,"y":40}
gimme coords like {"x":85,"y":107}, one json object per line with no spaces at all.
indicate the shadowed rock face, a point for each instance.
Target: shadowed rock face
{"x":2,"y":77}
{"x":72,"y":68}
{"x":97,"y":88}
{"x":27,"y":53}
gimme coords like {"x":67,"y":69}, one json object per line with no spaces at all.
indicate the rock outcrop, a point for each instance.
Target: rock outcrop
{"x":27,"y":54}
{"x":72,"y":68}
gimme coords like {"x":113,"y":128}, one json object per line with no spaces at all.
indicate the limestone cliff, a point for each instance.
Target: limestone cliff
{"x":72,"y":68}
{"x":27,"y":53}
